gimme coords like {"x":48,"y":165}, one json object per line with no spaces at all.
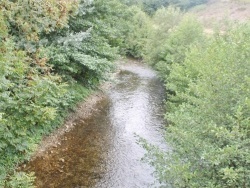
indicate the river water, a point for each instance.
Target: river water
{"x":102,"y":151}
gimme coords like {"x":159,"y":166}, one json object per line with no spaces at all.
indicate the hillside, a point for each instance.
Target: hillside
{"x":220,"y":10}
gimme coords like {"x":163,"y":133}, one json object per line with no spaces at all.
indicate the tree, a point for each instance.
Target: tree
{"x":187,"y":4}
{"x":29,"y":92}
{"x":164,"y":20}
{"x":136,"y":38}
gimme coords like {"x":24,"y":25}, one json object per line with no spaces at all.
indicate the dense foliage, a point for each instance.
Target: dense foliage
{"x":210,"y":127}
{"x":29,"y":93}
{"x":136,"y":39}
{"x":82,"y":51}
{"x":208,"y":107}
{"x":163,"y":21}
{"x":151,"y":6}
{"x":186,"y":4}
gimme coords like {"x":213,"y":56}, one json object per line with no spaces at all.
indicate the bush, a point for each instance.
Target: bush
{"x":21,"y":180}
{"x":29,"y":103}
{"x":186,"y":4}
{"x":171,"y":38}
{"x":189,"y":31}
{"x":164,"y":20}
{"x":85,"y":50}
{"x":139,"y":29}
{"x":209,"y":128}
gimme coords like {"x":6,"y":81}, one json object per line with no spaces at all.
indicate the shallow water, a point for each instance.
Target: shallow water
{"x":102,"y":151}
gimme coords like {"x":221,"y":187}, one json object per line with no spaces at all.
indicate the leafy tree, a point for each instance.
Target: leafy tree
{"x":186,"y":4}
{"x":85,"y":50}
{"x":172,"y":34}
{"x":140,"y":27}
{"x":188,"y":31}
{"x":164,"y":20}
{"x":148,"y":6}
{"x":30,"y":94}
{"x":151,"y":6}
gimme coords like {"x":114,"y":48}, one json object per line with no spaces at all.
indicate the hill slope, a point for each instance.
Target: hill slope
{"x":219,"y":10}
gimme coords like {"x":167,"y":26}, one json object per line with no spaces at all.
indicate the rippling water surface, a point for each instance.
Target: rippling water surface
{"x":102,"y":151}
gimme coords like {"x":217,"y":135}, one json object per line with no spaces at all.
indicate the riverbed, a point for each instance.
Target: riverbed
{"x":102,"y":150}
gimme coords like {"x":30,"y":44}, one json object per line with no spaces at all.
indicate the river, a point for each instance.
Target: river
{"x":102,"y":150}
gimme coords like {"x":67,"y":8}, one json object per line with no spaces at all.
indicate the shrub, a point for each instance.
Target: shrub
{"x":209,"y":128}
{"x":189,"y":31}
{"x":164,"y":20}
{"x":30,"y":95}
{"x":139,"y":29}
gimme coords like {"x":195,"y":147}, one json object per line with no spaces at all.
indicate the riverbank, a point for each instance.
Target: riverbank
{"x":97,"y":147}
{"x":83,"y":109}
{"x":44,"y":140}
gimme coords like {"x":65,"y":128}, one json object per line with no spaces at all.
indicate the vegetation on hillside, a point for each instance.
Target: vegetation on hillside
{"x":151,"y":6}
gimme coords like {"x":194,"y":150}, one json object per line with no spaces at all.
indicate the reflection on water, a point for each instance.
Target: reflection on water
{"x":102,"y":151}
